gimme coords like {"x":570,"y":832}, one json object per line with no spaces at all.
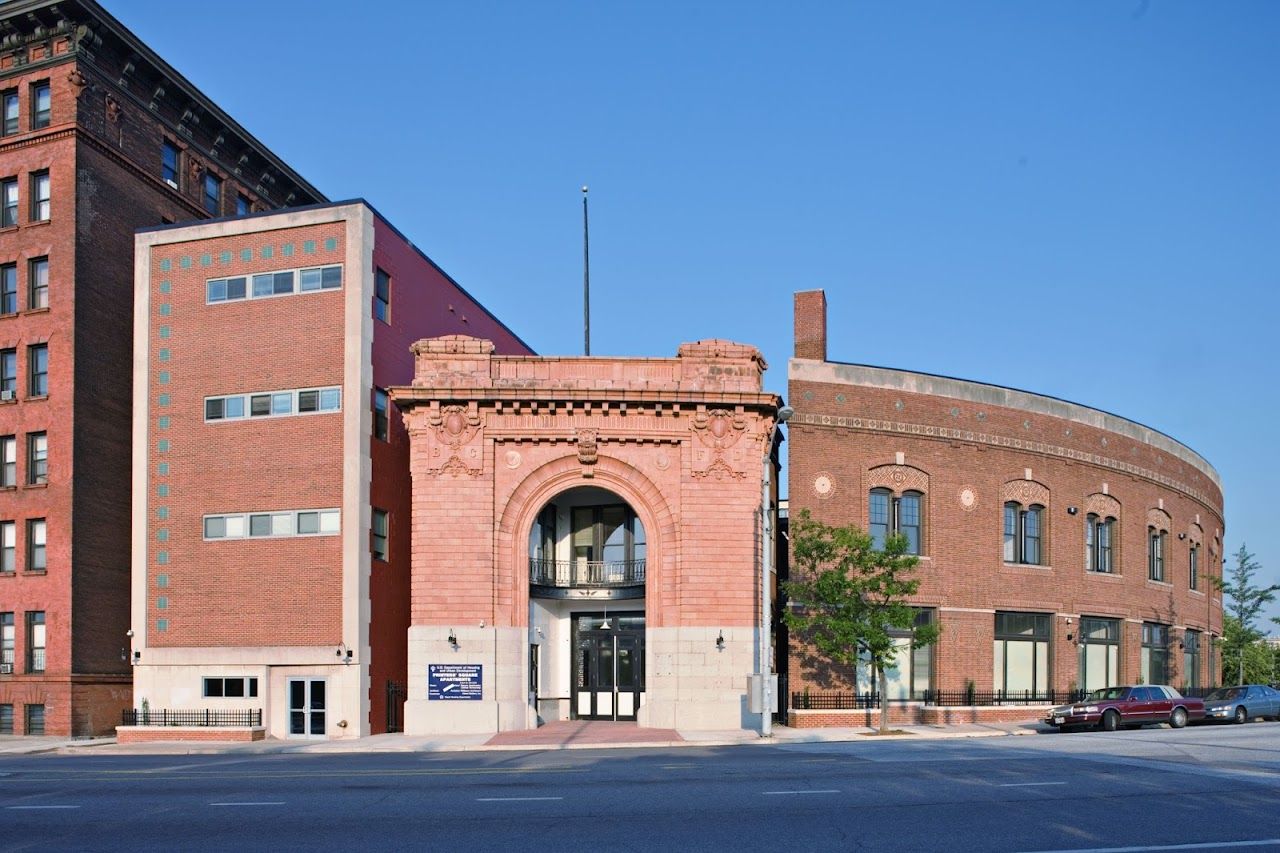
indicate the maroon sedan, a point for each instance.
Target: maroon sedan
{"x":1113,"y":707}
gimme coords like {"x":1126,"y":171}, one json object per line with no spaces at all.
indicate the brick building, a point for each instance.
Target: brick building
{"x":586,"y":536}
{"x":271,"y":489}
{"x":1061,"y":547}
{"x":98,"y":137}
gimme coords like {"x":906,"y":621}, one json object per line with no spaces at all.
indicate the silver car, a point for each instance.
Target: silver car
{"x":1242,"y":703}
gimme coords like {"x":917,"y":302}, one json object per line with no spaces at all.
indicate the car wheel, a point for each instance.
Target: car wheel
{"x":1241,"y":716}
{"x":1178,"y":718}
{"x":1110,"y":721}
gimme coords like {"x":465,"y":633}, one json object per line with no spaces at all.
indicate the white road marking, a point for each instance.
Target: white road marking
{"x":514,"y":799}
{"x":1028,"y":784}
{"x":276,"y":803}
{"x":42,"y":807}
{"x":1204,"y":845}
{"x":780,"y":793}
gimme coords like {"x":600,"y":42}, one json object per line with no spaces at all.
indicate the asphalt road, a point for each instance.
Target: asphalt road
{"x":1199,"y":788}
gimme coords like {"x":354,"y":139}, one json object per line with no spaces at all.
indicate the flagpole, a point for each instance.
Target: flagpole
{"x":586,"y":279}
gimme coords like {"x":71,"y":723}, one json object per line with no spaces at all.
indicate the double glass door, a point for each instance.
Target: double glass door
{"x":306,"y":707}
{"x":608,"y":677}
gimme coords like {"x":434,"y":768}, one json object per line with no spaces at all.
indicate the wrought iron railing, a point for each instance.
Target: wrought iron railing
{"x":586,"y":573}
{"x":850,"y":701}
{"x":197,"y":717}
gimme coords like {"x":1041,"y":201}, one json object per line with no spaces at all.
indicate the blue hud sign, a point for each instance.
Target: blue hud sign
{"x":454,"y":681}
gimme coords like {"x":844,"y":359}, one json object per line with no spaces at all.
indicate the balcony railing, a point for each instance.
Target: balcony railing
{"x":202,"y":717}
{"x":597,"y":574}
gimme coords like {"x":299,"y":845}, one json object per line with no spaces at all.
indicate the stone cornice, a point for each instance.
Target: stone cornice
{"x":535,"y":398}
{"x":873,"y":425}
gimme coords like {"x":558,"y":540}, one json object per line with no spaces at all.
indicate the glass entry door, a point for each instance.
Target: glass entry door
{"x":306,"y":707}
{"x":608,"y":663}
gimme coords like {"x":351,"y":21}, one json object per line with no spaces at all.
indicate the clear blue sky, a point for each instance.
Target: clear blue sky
{"x":1076,"y":198}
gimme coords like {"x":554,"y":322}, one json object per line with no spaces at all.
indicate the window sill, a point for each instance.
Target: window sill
{"x":1028,"y":566}
{"x":39,"y":573}
{"x":8,"y":574}
{"x":37,"y":397}
{"x":9,"y":314}
{"x":44,"y":310}
{"x":1153,"y":582}
{"x":36,"y":486}
{"x":1115,"y":576}
{"x":1195,"y":592}
{"x":4,"y":229}
{"x":34,"y":222}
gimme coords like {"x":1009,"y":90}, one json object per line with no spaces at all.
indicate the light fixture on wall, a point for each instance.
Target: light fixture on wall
{"x":1182,"y":536}
{"x":720,"y":640}
{"x":137,"y":656}
{"x":343,"y":653}
{"x":453,"y":638}
{"x":1071,"y":510}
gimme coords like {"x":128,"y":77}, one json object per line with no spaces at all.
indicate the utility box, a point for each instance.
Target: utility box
{"x":755,"y":685}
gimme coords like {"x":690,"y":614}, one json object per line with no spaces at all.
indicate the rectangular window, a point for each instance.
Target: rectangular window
{"x":169,"y":155}
{"x":9,"y":289}
{"x":307,"y":401}
{"x":37,"y":458}
{"x":38,"y":358}
{"x":6,"y":719}
{"x":879,"y":516}
{"x":380,"y":421}
{"x":1022,"y":533}
{"x":11,"y":112}
{"x":9,"y":461}
{"x":38,"y":283}
{"x":8,"y":374}
{"x":41,"y":105}
{"x":40,"y":197}
{"x":279,"y":283}
{"x":320,"y":278}
{"x":36,"y":532}
{"x":9,"y":198}
{"x":1155,"y":653}
{"x":35,"y":642}
{"x":378,"y":537}
{"x":1155,"y":554}
{"x":1021,"y":654}
{"x":212,"y":193}
{"x":382,"y":296}
{"x":1191,"y":658}
{"x":307,"y":522}
{"x":242,"y":205}
{"x":7,"y":639}
{"x":8,"y":546}
{"x":231,"y":688}
{"x":1193,"y":567}
{"x":1099,"y":653}
{"x":34,"y":716}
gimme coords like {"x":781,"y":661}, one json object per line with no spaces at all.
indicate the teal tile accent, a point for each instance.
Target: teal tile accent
{"x":162,"y":603}
{"x":162,"y":624}
{"x":246,"y":255}
{"x":224,"y":258}
{"x":163,"y":469}
{"x":331,"y":245}
{"x":164,"y":400}
{"x":308,"y":247}
{"x":162,"y":558}
{"x":165,"y":309}
{"x":185,"y":262}
{"x":162,"y":491}
{"x":164,"y":331}
{"x":165,"y":265}
{"x":163,"y":377}
{"x":206,"y":260}
{"x":162,"y":446}
{"x":166,"y":286}
{"x":162,"y":581}
{"x":267,"y":252}
{"x":286,"y":249}
{"x":164,"y":354}
{"x":162,"y":535}
{"x":162,"y":513}
{"x":163,"y":422}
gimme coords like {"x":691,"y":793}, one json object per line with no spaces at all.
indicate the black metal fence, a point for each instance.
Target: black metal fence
{"x":195,"y":717}
{"x":397,"y":692}
{"x":809,"y":700}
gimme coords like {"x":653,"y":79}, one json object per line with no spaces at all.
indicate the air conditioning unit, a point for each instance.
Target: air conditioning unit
{"x":6,"y":669}
{"x":6,"y":395}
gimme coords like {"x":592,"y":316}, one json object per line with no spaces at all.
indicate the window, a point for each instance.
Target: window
{"x":320,"y":278}
{"x":212,"y":193}
{"x":382,"y":296}
{"x":40,"y":197}
{"x":1022,"y":533}
{"x":9,"y":289}
{"x":307,"y":522}
{"x":242,"y":205}
{"x":1191,"y":658}
{"x":278,"y":283}
{"x":34,"y":718}
{"x":9,"y":461}
{"x":1193,"y":566}
{"x":8,"y":374}
{"x":9,"y":198}
{"x":1098,"y":536}
{"x":38,"y":283}
{"x":8,"y":546}
{"x":273,"y":284}
{"x":11,"y":110}
{"x":37,"y":458}
{"x":169,"y":155}
{"x":41,"y":105}
{"x":7,"y":639}
{"x":605,"y":542}
{"x":38,"y":358}
{"x":1155,"y":653}
{"x":306,"y":401}
{"x":230,"y":688}
{"x":1155,"y":554}
{"x":1021,"y":653}
{"x":380,"y":422}
{"x":378,"y":535}
{"x":6,"y":719}
{"x":911,"y":674}
{"x":35,"y":643}
{"x":895,"y":514}
{"x":36,"y":532}
{"x":1099,"y":653}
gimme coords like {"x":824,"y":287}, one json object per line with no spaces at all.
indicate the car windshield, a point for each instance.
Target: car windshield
{"x":1108,"y":693}
{"x":1226,"y":693}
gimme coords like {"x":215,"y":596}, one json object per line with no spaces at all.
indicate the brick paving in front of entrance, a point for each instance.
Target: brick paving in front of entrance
{"x":581,"y":732}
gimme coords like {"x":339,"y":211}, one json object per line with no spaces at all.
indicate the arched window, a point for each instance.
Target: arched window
{"x":1193,"y":566}
{"x":1155,"y":554}
{"x":1098,"y":536}
{"x":1023,"y":533}
{"x":888,"y":514}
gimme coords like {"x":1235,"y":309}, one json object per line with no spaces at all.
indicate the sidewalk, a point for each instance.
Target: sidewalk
{"x":615,"y":736}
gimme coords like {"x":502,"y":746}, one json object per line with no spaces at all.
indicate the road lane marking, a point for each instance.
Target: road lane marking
{"x":1029,"y":784}
{"x":783,"y":793}
{"x":148,"y":775}
{"x":41,"y":807}
{"x":514,"y":799}
{"x":276,"y":803}
{"x":1204,"y":845}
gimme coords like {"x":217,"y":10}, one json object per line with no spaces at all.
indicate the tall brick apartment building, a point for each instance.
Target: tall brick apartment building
{"x":271,"y":478}
{"x":1060,"y":546}
{"x":98,"y":137}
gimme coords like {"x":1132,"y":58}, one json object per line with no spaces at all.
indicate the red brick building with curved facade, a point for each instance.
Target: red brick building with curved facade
{"x":1061,"y":547}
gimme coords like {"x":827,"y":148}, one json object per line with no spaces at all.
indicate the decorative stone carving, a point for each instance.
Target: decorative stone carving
{"x":718,"y":451}
{"x":824,"y":485}
{"x":77,"y":80}
{"x":1102,"y":506}
{"x":968,"y":499}
{"x":455,"y":444}
{"x":1159,"y":519}
{"x":513,"y":459}
{"x":1025,"y":492}
{"x":113,"y":110}
{"x":196,"y":169}
{"x":588,"y":452}
{"x":899,"y":478}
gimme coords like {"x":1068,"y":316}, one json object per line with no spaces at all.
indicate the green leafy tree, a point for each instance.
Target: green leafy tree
{"x":1251,"y":659}
{"x":1244,"y":602}
{"x":851,"y":598}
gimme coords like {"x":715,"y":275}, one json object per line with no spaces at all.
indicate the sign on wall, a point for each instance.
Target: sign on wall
{"x":454,"y":681}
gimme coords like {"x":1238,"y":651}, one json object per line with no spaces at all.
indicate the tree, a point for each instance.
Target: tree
{"x":1251,"y":657}
{"x":1244,"y":602}
{"x":851,"y":598}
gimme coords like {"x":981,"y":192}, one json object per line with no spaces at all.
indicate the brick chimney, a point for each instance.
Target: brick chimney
{"x":811,"y":324}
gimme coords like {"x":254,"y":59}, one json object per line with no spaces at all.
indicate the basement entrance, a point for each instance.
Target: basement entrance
{"x":608,"y":665}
